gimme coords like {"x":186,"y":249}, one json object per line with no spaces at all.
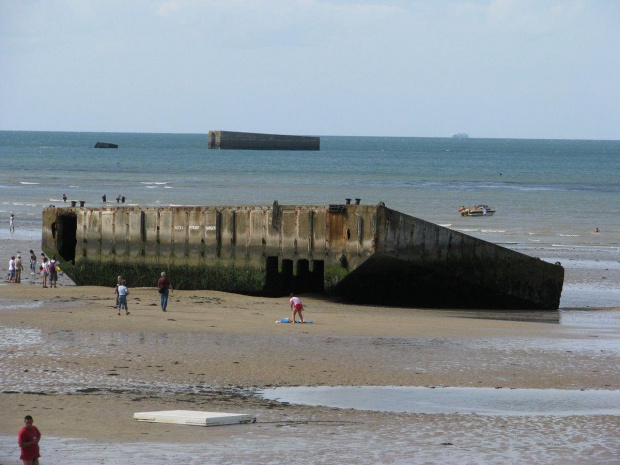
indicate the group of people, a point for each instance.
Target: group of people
{"x":49,"y":269}
{"x":15,"y":269}
{"x":119,"y":199}
{"x":164,"y":287}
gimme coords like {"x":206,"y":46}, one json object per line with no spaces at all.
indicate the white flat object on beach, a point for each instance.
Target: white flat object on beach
{"x":189,"y":417}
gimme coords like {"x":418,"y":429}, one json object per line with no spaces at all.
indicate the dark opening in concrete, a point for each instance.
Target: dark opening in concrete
{"x":65,"y":233}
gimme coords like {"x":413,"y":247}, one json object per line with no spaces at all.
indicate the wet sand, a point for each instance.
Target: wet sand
{"x":82,"y":371}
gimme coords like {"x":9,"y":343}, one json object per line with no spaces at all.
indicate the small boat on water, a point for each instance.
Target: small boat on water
{"x":460,"y":135}
{"x":478,"y":210}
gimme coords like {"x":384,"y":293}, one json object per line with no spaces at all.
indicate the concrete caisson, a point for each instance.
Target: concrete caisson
{"x":257,"y":141}
{"x":365,"y":253}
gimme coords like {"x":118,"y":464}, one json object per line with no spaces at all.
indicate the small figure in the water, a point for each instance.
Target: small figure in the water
{"x":597,"y":230}
{"x":64,"y":197}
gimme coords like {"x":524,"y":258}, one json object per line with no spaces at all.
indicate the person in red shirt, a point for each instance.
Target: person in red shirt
{"x":28,"y":439}
{"x":164,"y":285}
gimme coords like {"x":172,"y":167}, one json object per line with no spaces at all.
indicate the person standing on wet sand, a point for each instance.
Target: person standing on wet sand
{"x":119,"y":281}
{"x":28,"y":439}
{"x":123,"y":292}
{"x":12,"y":223}
{"x":53,"y":271}
{"x":33,"y":262}
{"x":297,"y":307}
{"x":164,"y":286}
{"x":12,"y":269}
{"x":45,"y":270}
{"x":18,"y":269}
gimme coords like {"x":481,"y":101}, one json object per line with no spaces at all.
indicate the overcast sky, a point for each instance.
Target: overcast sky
{"x":503,"y":68}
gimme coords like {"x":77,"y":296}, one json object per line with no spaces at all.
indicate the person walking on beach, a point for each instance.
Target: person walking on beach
{"x":297,"y":307}
{"x":119,"y":281}
{"x":45,"y":270}
{"x":53,"y":269}
{"x":123,"y":292}
{"x":164,"y":286}
{"x":33,"y":262}
{"x":18,"y":269}
{"x":12,"y":223}
{"x":12,"y":269}
{"x":28,"y":439}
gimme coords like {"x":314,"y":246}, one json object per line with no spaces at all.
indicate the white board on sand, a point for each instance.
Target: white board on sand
{"x":189,"y":417}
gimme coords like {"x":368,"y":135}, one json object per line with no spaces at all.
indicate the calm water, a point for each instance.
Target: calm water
{"x":550,"y":195}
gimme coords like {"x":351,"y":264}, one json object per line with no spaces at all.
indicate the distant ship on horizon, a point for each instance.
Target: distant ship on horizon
{"x":460,"y":135}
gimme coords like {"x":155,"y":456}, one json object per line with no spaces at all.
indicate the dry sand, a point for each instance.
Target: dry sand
{"x":97,"y":368}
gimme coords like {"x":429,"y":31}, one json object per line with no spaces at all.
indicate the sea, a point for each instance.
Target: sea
{"x":554,"y":199}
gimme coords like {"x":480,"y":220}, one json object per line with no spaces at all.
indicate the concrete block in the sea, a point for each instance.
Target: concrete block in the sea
{"x":256,"y":141}
{"x":105,"y":145}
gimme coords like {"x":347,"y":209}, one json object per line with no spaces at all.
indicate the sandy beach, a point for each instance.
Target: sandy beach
{"x":82,"y":371}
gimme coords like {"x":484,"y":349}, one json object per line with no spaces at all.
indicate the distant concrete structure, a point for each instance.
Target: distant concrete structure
{"x":254,"y":141}
{"x":105,"y":145}
{"x":365,"y":253}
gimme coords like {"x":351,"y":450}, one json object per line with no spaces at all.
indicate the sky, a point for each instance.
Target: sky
{"x":415,"y":68}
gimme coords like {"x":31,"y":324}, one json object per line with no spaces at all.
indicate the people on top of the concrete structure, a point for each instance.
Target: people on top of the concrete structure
{"x":164,"y":286}
{"x":296,"y":307}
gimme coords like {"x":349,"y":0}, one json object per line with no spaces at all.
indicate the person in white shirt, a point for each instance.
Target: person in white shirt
{"x":123,"y":292}
{"x":297,"y":307}
{"x":12,"y":269}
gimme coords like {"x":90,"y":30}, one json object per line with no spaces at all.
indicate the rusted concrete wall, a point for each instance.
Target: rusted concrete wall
{"x":365,"y":253}
{"x":255,"y":141}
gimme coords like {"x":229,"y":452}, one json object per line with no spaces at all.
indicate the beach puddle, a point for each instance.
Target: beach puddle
{"x":453,"y":400}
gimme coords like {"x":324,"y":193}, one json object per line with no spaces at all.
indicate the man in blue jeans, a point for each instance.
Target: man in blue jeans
{"x":164,"y":286}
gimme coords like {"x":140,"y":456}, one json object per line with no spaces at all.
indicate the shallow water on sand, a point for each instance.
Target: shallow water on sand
{"x":461,"y":400}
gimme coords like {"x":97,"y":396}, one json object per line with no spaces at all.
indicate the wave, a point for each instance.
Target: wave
{"x":570,"y":235}
{"x":28,"y":183}
{"x":155,"y":182}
